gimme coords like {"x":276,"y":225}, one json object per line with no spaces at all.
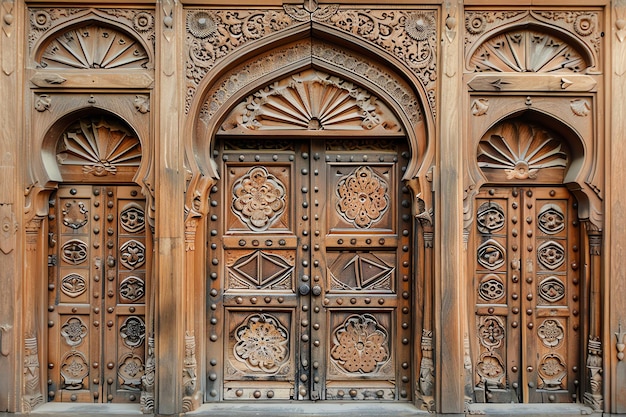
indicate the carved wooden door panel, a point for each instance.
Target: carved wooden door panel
{"x":310,"y":289}
{"x":98,"y":262}
{"x":527,"y":295}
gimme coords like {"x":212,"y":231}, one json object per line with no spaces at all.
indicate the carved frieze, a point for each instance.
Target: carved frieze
{"x":409,"y":35}
{"x":110,"y":39}
{"x":534,"y":50}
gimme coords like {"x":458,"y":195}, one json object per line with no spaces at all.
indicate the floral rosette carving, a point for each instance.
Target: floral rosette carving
{"x":360,"y":344}
{"x":258,"y":198}
{"x":262,"y":343}
{"x":363,"y":197}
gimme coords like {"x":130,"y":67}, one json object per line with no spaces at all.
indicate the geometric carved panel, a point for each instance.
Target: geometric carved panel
{"x":74,"y":251}
{"x":551,"y":254}
{"x":261,"y":270}
{"x":361,"y":271}
{"x":551,"y":219}
{"x":491,"y":254}
{"x":490,"y":217}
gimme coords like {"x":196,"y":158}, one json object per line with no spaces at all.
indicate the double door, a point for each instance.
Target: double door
{"x":527,"y":295}
{"x":97,"y":283}
{"x":310,"y":286}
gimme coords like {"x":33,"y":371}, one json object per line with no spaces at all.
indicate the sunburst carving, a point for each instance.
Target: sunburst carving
{"x":521,"y":150}
{"x":92,"y":46}
{"x":527,"y":51}
{"x":100,"y":147}
{"x":311,"y":100}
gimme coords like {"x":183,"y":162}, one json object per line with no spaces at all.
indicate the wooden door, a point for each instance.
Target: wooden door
{"x":98,"y":263}
{"x":310,"y":272}
{"x":527,"y":295}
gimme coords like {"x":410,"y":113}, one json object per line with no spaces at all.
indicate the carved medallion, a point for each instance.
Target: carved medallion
{"x":74,"y":331}
{"x":258,"y":198}
{"x":73,"y":285}
{"x":490,"y":217}
{"x":74,"y":369}
{"x":100,"y":147}
{"x":363,"y":198}
{"x":491,"y":288}
{"x":521,"y":150}
{"x":552,"y":371}
{"x":130,"y":371}
{"x":551,"y":254}
{"x":75,"y":214}
{"x":551,"y":219}
{"x":551,"y":289}
{"x":94,"y":47}
{"x":360,"y":344}
{"x":133,"y":331}
{"x":74,"y":251}
{"x":490,"y":369}
{"x":262,"y":343}
{"x":132,"y":218}
{"x":261,"y":270}
{"x":491,"y":331}
{"x":132,"y":288}
{"x":551,"y":333}
{"x":132,"y":254}
{"x":491,"y":254}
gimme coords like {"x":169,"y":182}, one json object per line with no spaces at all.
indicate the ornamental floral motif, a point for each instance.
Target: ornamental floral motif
{"x":132,"y":288}
{"x":490,"y":217}
{"x":490,"y":369}
{"x":132,"y":254}
{"x":258,"y":198}
{"x":552,"y":371}
{"x":133,"y":331}
{"x":551,"y":219}
{"x":551,"y":254}
{"x":73,"y":285}
{"x":491,"y":289}
{"x":491,"y":331}
{"x":74,"y":331}
{"x":262,"y":343}
{"x":491,"y":254}
{"x":551,"y":289}
{"x":130,"y":371}
{"x":551,"y":333}
{"x":132,"y":218}
{"x":75,"y":214}
{"x":73,"y":370}
{"x":74,"y":251}
{"x":363,"y":197}
{"x":360,"y":344}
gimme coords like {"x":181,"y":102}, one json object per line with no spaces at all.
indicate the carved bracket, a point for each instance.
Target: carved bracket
{"x":620,"y":335}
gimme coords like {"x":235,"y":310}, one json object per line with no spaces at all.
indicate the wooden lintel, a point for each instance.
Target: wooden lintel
{"x":74,"y":79}
{"x":532,"y":82}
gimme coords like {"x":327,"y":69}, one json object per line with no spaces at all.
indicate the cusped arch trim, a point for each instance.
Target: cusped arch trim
{"x":92,"y":39}
{"x":567,"y":150}
{"x":228,"y":89}
{"x":529,"y":47}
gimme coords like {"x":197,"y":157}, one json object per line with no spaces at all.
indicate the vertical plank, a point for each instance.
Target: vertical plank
{"x":615,"y":370}
{"x":449,"y":223}
{"x":169,"y":201}
{"x":10,"y":79}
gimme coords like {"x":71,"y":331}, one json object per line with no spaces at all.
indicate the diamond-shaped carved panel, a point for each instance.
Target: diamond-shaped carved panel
{"x":361,"y":271}
{"x":261,"y":270}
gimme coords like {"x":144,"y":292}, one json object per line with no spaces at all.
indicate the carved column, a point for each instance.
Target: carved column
{"x":32,"y":391}
{"x":426,"y":381}
{"x":615,"y":293}
{"x":169,"y":221}
{"x":449,"y":286}
{"x":594,"y":392}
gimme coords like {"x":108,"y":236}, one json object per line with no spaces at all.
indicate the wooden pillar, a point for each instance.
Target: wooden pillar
{"x":449,"y":223}
{"x":169,"y":213}
{"x":11,"y":45}
{"x":615,"y":290}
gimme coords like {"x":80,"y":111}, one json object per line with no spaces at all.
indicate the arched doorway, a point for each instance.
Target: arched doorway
{"x":99,"y":253}
{"x":525,"y":262}
{"x":310,"y":241}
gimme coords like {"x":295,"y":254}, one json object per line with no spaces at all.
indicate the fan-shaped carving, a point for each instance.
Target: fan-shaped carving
{"x":311,"y":100}
{"x":520,"y":150}
{"x":92,"y":47}
{"x":527,"y":51}
{"x":99,"y":146}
